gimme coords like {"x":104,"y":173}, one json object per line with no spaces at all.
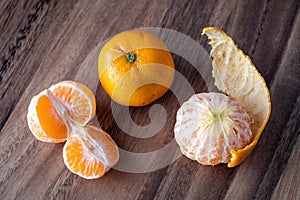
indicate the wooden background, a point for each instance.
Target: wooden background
{"x":44,"y":42}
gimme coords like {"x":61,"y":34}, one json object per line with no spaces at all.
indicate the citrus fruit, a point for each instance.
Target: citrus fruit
{"x":90,"y":152}
{"x":61,"y":113}
{"x":48,"y":112}
{"x":77,"y":98}
{"x":209,"y":125}
{"x":213,"y":128}
{"x":44,"y":121}
{"x":135,"y":68}
{"x":236,"y":75}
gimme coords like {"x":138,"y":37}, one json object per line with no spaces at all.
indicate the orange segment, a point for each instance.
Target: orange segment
{"x":49,"y":111}
{"x":78,"y":159}
{"x":90,"y":152}
{"x":236,"y":75}
{"x":44,"y":121}
{"x":49,"y":119}
{"x":77,"y":99}
{"x":101,"y":140}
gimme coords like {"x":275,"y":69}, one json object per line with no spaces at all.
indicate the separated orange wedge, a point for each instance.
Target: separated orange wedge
{"x":48,"y":112}
{"x":90,"y":152}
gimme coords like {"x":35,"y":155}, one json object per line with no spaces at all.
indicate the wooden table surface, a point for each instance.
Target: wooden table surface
{"x":43,"y":42}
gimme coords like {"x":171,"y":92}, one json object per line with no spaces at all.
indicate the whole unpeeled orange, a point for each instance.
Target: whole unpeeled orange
{"x":135,"y":68}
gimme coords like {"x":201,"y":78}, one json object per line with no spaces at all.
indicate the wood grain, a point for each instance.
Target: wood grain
{"x":43,"y":42}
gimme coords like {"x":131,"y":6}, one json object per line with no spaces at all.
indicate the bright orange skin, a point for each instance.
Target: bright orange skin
{"x":142,"y":81}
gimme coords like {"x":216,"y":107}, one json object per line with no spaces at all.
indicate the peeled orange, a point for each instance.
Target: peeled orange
{"x":210,"y":125}
{"x":236,"y":75}
{"x":228,"y":139}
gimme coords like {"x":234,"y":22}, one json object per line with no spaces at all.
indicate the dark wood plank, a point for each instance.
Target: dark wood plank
{"x":285,"y":188}
{"x":279,"y":137}
{"x":26,"y":50}
{"x":44,"y":42}
{"x":290,"y":99}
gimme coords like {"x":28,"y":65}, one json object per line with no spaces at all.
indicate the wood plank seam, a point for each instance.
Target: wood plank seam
{"x":21,"y":36}
{"x":19,"y":40}
{"x":284,"y":49}
{"x":260,"y":28}
{"x":282,"y":153}
{"x":5,"y":119}
{"x":286,"y":52}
